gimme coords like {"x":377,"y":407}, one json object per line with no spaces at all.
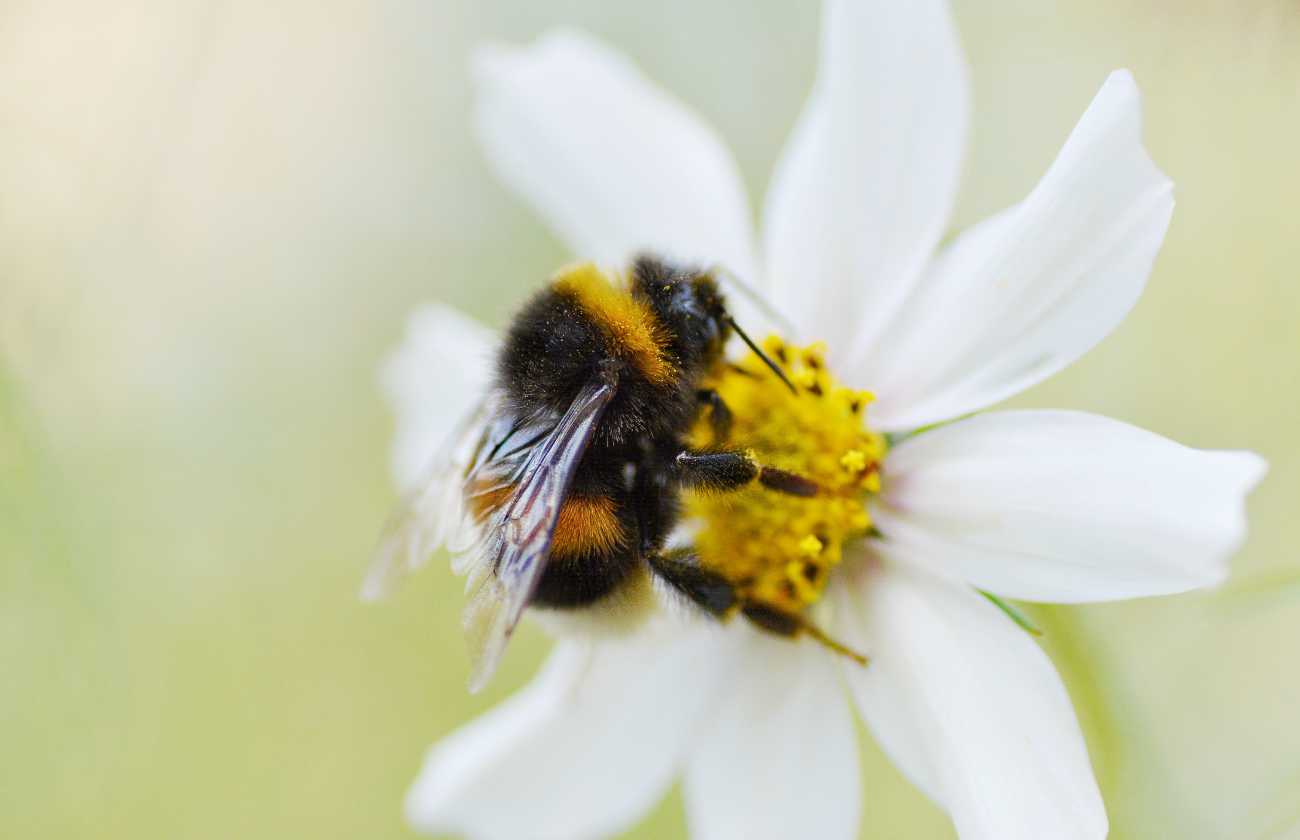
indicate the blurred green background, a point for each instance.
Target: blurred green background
{"x":214,"y":218}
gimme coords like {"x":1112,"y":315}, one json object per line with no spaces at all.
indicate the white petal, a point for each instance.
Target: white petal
{"x":1065,"y":506}
{"x":779,"y":759}
{"x":610,"y":161}
{"x":582,"y":752}
{"x":1020,"y":296}
{"x":863,"y":191}
{"x":433,"y":380}
{"x":970,"y":709}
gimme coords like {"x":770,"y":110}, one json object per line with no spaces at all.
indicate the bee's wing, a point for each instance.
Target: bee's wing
{"x":517,"y":535}
{"x":433,"y":513}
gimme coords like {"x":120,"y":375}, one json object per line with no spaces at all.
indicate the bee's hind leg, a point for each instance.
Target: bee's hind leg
{"x":681,"y":569}
{"x":792,"y":626}
{"x":733,"y":469}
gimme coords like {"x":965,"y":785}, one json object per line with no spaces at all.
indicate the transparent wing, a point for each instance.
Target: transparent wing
{"x":516,"y":535}
{"x":433,"y":513}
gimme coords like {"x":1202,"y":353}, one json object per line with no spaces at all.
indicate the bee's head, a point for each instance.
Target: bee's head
{"x":689,"y":304}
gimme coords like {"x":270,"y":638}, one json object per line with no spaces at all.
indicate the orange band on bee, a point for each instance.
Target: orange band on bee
{"x":634,"y":329}
{"x":586,"y":525}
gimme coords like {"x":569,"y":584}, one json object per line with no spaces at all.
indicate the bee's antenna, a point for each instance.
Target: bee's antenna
{"x":731,"y":322}
{"x":751,"y":294}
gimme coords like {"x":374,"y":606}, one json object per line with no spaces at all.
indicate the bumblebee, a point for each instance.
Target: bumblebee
{"x":562,"y":489}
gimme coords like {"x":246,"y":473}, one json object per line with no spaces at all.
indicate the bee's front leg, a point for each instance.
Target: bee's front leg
{"x":729,"y":470}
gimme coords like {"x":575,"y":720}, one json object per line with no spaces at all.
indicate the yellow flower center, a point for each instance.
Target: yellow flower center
{"x":779,"y":549}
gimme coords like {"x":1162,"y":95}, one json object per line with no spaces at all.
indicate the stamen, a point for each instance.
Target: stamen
{"x":855,"y":460}
{"x":810,"y":546}
{"x":781,"y":548}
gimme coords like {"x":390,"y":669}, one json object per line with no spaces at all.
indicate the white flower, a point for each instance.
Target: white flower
{"x":1036,"y":505}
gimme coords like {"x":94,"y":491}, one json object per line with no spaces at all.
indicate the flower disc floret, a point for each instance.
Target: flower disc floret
{"x":779,"y":548}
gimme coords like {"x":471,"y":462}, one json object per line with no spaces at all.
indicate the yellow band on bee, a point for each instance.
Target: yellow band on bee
{"x":630,"y":323}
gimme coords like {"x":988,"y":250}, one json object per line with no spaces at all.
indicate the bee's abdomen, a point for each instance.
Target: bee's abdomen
{"x":592,"y":553}
{"x":589,"y":524}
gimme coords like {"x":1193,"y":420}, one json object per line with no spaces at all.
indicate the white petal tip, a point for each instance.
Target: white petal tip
{"x":1236,"y":472}
{"x":1250,"y":469}
{"x":1121,"y":90}
{"x":424,"y":806}
{"x":378,"y":583}
{"x":1118,"y":99}
{"x":421,"y":809}
{"x":1236,"y":476}
{"x":1123,"y":79}
{"x":493,"y":62}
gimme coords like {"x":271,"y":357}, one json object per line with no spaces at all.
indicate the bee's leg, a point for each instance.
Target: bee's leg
{"x":719,"y":416}
{"x":680,"y":568}
{"x":655,"y":509}
{"x":733,"y":469}
{"x":792,"y":626}
{"x":717,"y":596}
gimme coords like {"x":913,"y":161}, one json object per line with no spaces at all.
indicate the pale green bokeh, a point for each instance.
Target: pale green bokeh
{"x":213,"y":219}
